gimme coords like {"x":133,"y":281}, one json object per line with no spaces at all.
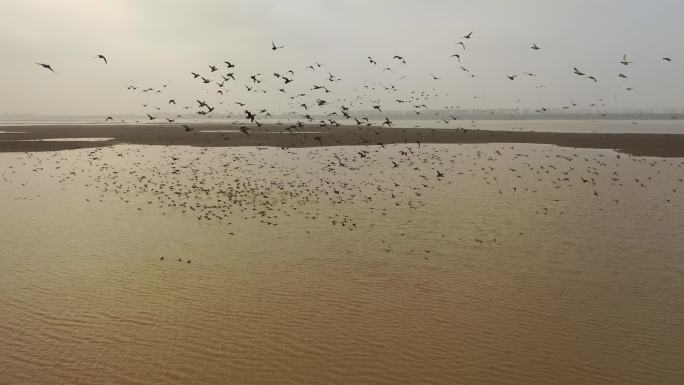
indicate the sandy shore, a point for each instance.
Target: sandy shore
{"x":33,"y":138}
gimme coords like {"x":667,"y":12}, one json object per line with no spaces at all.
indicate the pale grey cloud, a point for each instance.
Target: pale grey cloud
{"x":154,"y":42}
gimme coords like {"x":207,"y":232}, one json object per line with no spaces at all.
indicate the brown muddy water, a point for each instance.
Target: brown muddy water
{"x":523,"y":264}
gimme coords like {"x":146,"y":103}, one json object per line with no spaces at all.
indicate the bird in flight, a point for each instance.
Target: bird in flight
{"x":457,"y":56}
{"x":511,"y":77}
{"x":371,"y":61}
{"x":624,"y":60}
{"x":535,"y":47}
{"x":434,"y":77}
{"x":254,"y":78}
{"x":46,"y":66}
{"x":667,"y":59}
{"x":102,"y":57}
{"x":274,"y":47}
{"x":401,"y":59}
{"x":468,"y":36}
{"x":577,"y":72}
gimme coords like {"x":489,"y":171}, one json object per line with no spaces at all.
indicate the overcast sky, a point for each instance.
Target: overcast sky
{"x":153,"y":42}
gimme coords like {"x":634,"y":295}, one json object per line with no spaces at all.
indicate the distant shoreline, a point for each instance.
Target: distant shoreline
{"x":463,"y":115}
{"x":23,"y":138}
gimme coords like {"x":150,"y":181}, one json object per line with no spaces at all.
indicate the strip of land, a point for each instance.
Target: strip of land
{"x":64,"y":137}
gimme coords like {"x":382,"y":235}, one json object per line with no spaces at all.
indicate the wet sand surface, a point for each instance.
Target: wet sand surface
{"x":27,"y":138}
{"x":522,"y":264}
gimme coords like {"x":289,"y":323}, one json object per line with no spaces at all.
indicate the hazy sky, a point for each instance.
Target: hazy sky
{"x":154,"y":42}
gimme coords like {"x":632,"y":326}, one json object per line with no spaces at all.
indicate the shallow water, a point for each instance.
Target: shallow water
{"x":322,"y":266}
{"x":606,"y":126}
{"x":58,"y":139}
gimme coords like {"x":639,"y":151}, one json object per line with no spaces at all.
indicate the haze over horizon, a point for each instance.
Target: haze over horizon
{"x":161,"y":42}
{"x":377,"y":192}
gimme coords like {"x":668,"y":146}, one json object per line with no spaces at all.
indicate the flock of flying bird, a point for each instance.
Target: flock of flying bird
{"x":315,"y":105}
{"x":351,"y":187}
{"x":205,"y":184}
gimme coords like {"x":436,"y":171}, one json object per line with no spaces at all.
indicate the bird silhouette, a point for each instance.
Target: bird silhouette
{"x":46,"y":66}
{"x":400,"y":58}
{"x":274,"y":47}
{"x":103,"y":58}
